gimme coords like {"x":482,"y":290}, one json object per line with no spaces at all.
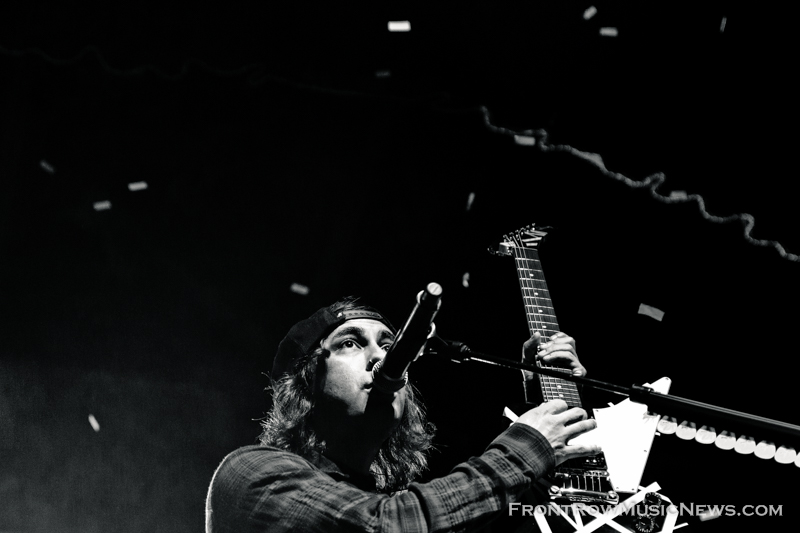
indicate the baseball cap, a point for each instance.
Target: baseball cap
{"x":304,"y":336}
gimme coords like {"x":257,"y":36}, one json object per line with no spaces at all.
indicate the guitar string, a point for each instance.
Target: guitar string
{"x":529,"y":293}
{"x":565,"y":389}
{"x":557,"y":387}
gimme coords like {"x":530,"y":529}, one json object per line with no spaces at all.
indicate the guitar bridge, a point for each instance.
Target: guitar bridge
{"x":583,"y":480}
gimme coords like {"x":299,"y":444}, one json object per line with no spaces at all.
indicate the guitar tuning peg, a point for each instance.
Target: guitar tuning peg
{"x":705,"y":435}
{"x":745,"y":445}
{"x":725,"y":440}
{"x":686,"y":430}
{"x":667,"y":425}
{"x":765,"y":450}
{"x":785,"y":455}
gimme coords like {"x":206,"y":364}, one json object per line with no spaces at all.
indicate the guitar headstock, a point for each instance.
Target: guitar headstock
{"x":525,"y":237}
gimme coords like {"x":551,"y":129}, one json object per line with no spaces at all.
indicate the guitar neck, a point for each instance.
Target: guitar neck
{"x":542,"y":319}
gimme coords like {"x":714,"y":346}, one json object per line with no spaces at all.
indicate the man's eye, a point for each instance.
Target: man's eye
{"x":349,"y":343}
{"x":386,"y":347}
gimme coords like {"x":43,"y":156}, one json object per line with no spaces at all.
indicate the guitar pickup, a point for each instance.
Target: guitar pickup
{"x":586,"y":486}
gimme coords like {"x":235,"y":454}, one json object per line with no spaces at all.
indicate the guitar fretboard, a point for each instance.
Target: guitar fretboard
{"x":542,"y":319}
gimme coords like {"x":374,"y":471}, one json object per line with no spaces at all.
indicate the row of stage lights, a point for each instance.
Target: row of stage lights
{"x":727,"y":440}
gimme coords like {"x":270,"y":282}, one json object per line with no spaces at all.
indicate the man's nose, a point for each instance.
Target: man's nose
{"x":375,"y":354}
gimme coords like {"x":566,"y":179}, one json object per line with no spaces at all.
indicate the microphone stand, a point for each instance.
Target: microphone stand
{"x":740,"y":423}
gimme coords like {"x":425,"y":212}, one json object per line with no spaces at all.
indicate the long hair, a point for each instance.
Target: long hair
{"x":287,"y":426}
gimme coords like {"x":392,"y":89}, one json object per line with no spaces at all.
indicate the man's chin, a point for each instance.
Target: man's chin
{"x":381,"y":406}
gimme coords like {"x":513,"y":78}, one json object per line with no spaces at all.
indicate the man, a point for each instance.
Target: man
{"x":336,"y":455}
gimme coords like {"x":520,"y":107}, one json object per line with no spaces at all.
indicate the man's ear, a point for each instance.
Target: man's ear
{"x":319,"y":370}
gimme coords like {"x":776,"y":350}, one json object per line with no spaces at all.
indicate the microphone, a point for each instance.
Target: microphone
{"x":390,"y":374}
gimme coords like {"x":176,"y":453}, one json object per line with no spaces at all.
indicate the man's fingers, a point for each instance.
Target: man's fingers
{"x":573,"y":416}
{"x":580,"y":427}
{"x":548,"y":357}
{"x":554,"y":407}
{"x":581,"y":450}
{"x":531,"y":346}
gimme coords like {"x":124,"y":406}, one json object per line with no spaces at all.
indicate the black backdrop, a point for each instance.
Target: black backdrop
{"x":309,"y":145}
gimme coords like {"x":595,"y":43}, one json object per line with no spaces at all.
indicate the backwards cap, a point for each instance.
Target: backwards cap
{"x":304,"y":336}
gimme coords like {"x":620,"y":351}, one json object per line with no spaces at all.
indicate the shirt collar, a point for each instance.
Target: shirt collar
{"x":362,"y":481}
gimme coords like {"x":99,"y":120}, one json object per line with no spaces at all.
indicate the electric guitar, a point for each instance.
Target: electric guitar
{"x":584,"y":479}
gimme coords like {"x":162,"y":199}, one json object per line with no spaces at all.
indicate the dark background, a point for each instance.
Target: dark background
{"x":307,"y":144}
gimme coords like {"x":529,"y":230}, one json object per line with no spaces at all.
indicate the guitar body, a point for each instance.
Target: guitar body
{"x":582,"y":480}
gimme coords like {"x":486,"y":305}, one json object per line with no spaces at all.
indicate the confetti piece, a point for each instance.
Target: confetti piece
{"x":722,"y":24}
{"x":101,"y":206}
{"x":678,"y":195}
{"x":465,"y":280}
{"x":647,"y":310}
{"x":590,"y":12}
{"x":399,"y":25}
{"x":511,"y":415}
{"x":609,"y":32}
{"x":95,"y":424}
{"x":525,"y":140}
{"x":709,"y":515}
{"x":46,"y":166}
{"x":299,"y":289}
{"x":470,"y":200}
{"x":137,"y":186}
{"x":382,"y":73}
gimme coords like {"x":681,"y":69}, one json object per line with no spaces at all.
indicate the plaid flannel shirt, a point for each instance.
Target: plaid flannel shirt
{"x":263,"y":489}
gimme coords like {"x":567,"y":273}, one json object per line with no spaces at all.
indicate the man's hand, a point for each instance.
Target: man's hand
{"x":559,"y":425}
{"x":558,"y":350}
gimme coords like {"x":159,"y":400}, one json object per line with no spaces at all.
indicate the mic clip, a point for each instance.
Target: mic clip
{"x":458,"y":352}
{"x":391,"y":382}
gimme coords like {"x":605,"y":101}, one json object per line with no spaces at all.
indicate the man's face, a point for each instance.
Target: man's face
{"x":355,"y":346}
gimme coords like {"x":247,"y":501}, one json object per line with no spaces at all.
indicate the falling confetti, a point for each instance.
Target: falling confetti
{"x":382,"y":73}
{"x":465,"y":280}
{"x":299,"y":289}
{"x":400,"y":25}
{"x":678,"y":195}
{"x":711,"y":514}
{"x":609,"y":32}
{"x":101,"y":206}
{"x":47,"y":167}
{"x":95,"y":424}
{"x":722,"y":24}
{"x":470,"y":200}
{"x":525,"y":140}
{"x":137,"y":186}
{"x":647,"y":310}
{"x":590,"y":12}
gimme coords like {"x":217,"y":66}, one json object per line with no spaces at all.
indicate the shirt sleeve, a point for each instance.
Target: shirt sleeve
{"x":258,"y":489}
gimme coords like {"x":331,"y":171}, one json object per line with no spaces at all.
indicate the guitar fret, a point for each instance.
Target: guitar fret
{"x":560,"y":390}
{"x":535,"y":301}
{"x":540,"y":314}
{"x":545,"y":302}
